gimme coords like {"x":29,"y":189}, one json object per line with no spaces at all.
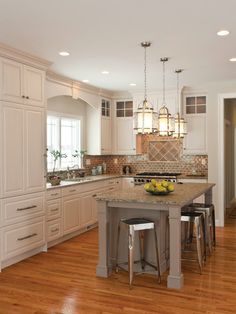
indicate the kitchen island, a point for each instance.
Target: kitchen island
{"x":136,"y":202}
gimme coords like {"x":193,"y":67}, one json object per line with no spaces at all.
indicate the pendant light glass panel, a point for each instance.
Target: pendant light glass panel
{"x":145,"y":118}
{"x":166,"y":123}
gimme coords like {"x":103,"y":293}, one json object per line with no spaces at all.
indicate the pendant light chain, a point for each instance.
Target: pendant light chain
{"x":145,"y":73}
{"x":164,"y":85}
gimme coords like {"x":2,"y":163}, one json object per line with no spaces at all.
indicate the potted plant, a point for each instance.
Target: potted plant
{"x":80,"y":154}
{"x":53,"y":178}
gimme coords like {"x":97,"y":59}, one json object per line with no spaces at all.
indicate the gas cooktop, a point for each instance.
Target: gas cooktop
{"x":158,"y":174}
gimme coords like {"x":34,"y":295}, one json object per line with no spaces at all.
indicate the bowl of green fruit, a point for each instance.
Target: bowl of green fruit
{"x":159,"y":187}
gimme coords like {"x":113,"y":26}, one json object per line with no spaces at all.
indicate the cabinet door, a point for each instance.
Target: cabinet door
{"x":12,"y":129}
{"x":33,"y":86}
{"x":125,"y":137}
{"x":11,"y":81}
{"x":195,"y":140}
{"x":85,"y":211}
{"x":34,"y":150}
{"x":70,"y":215}
{"x":106,"y":135}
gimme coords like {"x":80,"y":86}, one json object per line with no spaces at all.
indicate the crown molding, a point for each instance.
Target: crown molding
{"x":57,"y":78}
{"x":23,"y":57}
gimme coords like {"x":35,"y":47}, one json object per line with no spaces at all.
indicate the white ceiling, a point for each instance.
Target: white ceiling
{"x":106,"y":35}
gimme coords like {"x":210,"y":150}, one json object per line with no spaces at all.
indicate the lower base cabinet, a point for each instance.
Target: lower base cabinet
{"x":54,"y":230}
{"x":20,"y":238}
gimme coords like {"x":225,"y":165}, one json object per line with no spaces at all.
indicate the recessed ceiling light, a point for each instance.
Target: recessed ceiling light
{"x":223,"y":32}
{"x":132,"y":84}
{"x":105,"y":72}
{"x":232,"y":59}
{"x":85,"y":81}
{"x":64,"y":53}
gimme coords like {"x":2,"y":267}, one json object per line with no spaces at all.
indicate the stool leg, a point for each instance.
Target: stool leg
{"x":214,"y":227}
{"x":117,"y":246}
{"x":198,"y":239}
{"x":141,"y":243}
{"x":208,"y":232}
{"x":203,"y":235}
{"x":157,"y":255}
{"x":131,"y":255}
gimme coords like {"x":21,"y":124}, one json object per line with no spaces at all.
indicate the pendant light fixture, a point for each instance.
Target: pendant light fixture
{"x":145,"y":118}
{"x":166,"y":123}
{"x":180,"y":123}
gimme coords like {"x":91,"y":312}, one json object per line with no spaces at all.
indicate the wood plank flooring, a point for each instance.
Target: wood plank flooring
{"x":63,"y":281}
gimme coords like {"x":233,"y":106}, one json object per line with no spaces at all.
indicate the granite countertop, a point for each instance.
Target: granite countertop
{"x":183,"y":194}
{"x":83,"y":180}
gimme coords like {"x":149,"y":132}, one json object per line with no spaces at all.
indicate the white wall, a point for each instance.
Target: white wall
{"x":69,"y":106}
{"x":213,"y":137}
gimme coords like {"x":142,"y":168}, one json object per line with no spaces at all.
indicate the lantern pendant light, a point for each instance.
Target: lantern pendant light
{"x":145,"y":118}
{"x":180,"y":123}
{"x":166,"y":123}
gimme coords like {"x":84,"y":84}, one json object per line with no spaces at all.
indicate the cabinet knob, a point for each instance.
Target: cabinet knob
{"x":27,"y":97}
{"x":23,"y":96}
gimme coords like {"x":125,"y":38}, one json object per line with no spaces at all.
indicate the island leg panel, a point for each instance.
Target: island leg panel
{"x":104,"y":267}
{"x":175,"y":278}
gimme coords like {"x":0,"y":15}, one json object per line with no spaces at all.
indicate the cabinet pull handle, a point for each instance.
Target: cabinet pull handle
{"x":27,"y":237}
{"x":25,"y":208}
{"x":54,"y":209}
{"x":55,"y":230}
{"x":72,"y":190}
{"x":111,"y":188}
{"x":94,"y":195}
{"x":54,"y":194}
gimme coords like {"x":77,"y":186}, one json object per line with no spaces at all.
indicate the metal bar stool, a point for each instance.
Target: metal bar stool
{"x":197,"y":220}
{"x":209,"y":211}
{"x":140,"y":225}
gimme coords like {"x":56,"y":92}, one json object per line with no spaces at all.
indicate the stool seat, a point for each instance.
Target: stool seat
{"x":139,"y":225}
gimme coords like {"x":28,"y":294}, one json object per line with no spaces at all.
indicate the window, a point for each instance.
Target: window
{"x":195,"y":104}
{"x":63,"y":134}
{"x":105,"y":108}
{"x":124,"y":109}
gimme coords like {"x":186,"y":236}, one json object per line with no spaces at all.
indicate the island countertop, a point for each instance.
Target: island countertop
{"x":183,"y":194}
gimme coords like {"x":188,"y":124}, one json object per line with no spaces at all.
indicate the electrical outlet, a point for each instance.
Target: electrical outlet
{"x":88,"y":162}
{"x":115,"y":161}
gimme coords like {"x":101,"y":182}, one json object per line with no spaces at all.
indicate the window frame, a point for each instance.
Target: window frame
{"x":62,"y":115}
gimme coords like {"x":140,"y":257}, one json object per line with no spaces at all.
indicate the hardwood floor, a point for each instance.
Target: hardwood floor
{"x":63,"y":281}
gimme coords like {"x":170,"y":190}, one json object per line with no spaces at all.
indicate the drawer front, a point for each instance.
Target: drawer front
{"x":71,"y":190}
{"x":113,"y":182}
{"x":54,"y":193}
{"x":18,"y":239}
{"x":20,"y":208}
{"x":54,"y":230}
{"x":53,"y":209}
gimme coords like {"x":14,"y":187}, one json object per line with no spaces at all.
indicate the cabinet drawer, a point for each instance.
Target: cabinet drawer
{"x":54,"y":230}
{"x":53,"y":209}
{"x":113,"y":182}
{"x":20,"y":238}
{"x":17,"y":209}
{"x":54,"y":193}
{"x":71,"y":190}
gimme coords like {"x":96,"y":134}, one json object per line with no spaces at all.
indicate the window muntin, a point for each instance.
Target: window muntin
{"x":195,"y":104}
{"x":124,"y":109}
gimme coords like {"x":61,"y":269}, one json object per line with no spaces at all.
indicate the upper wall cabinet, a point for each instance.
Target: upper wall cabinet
{"x":124,"y":139}
{"x":195,"y":142}
{"x":99,"y":129}
{"x":21,"y":84}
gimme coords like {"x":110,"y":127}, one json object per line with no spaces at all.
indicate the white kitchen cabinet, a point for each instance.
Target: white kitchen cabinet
{"x":105,"y":135}
{"x":195,"y":142}
{"x":70,"y":207}
{"x":85,"y":210}
{"x":125,"y":138}
{"x":23,"y":149}
{"x":98,"y":130}
{"x":21,"y":84}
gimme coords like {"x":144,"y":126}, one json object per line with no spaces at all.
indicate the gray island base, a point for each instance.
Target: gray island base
{"x":164,"y":209}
